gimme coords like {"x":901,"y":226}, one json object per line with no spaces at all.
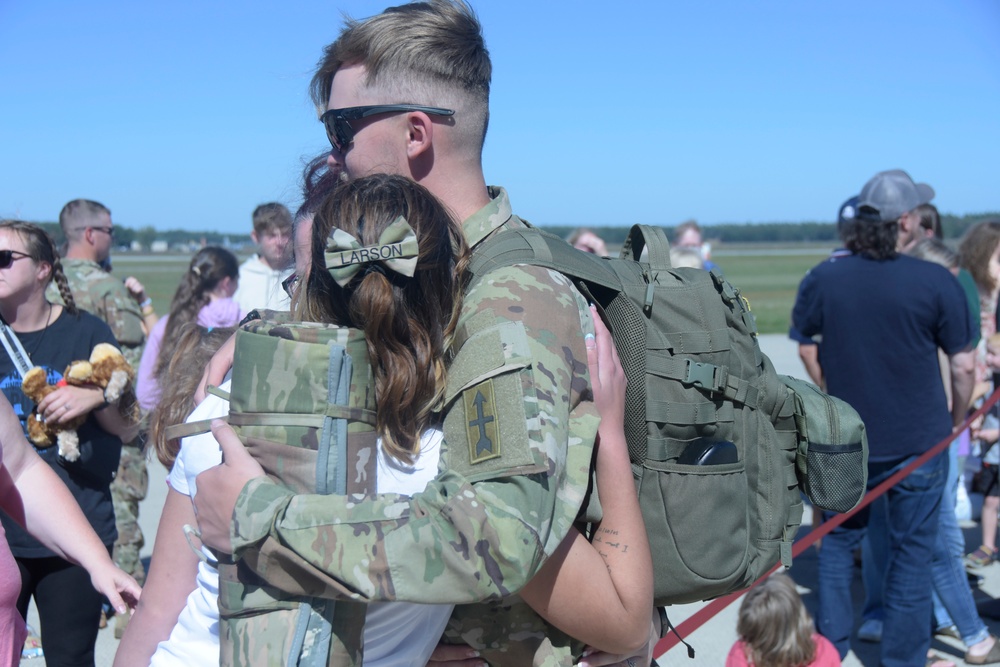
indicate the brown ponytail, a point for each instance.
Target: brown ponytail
{"x":408,"y":321}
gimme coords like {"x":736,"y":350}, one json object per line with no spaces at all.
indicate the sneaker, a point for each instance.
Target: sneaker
{"x":32,"y":645}
{"x":981,"y":557}
{"x":871,"y":630}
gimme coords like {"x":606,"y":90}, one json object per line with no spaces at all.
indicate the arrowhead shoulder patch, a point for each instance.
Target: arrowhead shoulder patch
{"x":481,"y":422}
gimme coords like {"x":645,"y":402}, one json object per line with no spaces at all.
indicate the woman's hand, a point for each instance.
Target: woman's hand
{"x":120,"y":589}
{"x":135,"y":288}
{"x":608,"y":381}
{"x":69,"y":402}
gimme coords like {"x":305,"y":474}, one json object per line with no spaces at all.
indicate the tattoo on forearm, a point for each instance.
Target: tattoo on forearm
{"x":609,"y":539}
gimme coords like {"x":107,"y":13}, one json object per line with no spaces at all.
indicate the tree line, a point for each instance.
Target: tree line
{"x":758,"y":232}
{"x":775,"y":232}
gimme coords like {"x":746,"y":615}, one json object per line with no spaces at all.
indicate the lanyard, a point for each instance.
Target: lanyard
{"x":14,"y":348}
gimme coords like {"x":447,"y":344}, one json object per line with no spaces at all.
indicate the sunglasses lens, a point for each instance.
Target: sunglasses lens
{"x":6,"y":259}
{"x":338,"y":130}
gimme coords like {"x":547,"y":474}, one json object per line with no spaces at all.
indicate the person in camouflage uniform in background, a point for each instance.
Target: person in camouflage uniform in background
{"x":519,"y":423}
{"x":126,"y":309}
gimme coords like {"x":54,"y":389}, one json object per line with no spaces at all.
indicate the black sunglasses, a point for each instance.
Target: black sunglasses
{"x":338,"y":126}
{"x":7,"y":257}
{"x":110,"y":231}
{"x":289,"y":283}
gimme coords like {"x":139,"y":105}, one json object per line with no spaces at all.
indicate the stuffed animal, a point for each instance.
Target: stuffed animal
{"x":36,"y":387}
{"x":106,"y":369}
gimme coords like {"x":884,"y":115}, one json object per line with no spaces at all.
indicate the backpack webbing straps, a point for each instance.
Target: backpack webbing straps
{"x":646,"y":236}
{"x":715,"y":379}
{"x":186,"y":429}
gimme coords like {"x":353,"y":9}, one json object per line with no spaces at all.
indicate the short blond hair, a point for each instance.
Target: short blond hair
{"x":774,"y":625}
{"x":430,"y":53}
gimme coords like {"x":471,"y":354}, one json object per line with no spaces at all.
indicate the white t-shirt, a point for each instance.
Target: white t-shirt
{"x":397,"y":634}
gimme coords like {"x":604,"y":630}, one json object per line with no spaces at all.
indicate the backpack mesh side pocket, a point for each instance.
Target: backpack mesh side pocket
{"x":832,"y":458}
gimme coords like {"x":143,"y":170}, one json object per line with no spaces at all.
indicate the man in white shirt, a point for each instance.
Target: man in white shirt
{"x":261,"y":275}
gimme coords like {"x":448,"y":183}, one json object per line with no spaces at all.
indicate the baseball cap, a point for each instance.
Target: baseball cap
{"x":847,"y":213}
{"x":892,"y":193}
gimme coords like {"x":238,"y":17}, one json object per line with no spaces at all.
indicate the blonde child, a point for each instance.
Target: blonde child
{"x":776,"y":630}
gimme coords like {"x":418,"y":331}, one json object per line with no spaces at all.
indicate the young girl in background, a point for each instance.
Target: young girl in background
{"x":776,"y":630}
{"x":203,"y":296}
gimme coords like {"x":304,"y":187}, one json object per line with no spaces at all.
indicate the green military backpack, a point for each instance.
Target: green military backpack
{"x":721,"y":446}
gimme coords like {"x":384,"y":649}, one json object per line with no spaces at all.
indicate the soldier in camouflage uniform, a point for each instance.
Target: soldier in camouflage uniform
{"x":126,"y":309}
{"x":519,"y":424}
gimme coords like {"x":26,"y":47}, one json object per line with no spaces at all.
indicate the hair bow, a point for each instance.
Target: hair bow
{"x":397,"y":250}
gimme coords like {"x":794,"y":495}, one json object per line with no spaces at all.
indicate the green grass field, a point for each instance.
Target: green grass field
{"x":769,"y":278}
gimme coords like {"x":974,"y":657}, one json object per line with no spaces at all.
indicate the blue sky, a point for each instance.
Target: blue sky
{"x":187,"y":114}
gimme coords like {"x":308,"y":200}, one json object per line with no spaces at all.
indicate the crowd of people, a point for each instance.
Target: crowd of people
{"x":898,"y":325}
{"x":495,"y":410}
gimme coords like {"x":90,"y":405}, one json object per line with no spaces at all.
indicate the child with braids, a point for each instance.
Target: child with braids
{"x":52,"y":336}
{"x":203,"y":296}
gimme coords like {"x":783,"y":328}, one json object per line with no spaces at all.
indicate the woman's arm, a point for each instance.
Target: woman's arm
{"x":34,"y":496}
{"x":616,"y":569}
{"x":172,"y":576}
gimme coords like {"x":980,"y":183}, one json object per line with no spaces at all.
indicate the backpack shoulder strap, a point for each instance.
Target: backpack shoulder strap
{"x":534,"y":247}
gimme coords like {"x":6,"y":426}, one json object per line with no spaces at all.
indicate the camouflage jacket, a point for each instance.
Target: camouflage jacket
{"x":101,"y":294}
{"x":519,"y":429}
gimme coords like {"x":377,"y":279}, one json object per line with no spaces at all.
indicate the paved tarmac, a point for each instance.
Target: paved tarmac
{"x":713,"y":640}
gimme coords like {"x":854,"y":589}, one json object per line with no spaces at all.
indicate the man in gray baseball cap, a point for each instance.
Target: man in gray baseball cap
{"x":892,"y":195}
{"x":883,"y":316}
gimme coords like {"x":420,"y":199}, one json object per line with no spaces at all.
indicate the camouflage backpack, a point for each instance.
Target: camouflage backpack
{"x":721,"y":446}
{"x":302,"y":401}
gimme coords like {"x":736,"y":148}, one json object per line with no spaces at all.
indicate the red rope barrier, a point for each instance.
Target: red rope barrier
{"x":707,"y":612}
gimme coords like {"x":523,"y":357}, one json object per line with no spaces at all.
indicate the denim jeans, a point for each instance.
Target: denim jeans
{"x":914,"y":515}
{"x":875,"y":558}
{"x":951,"y":585}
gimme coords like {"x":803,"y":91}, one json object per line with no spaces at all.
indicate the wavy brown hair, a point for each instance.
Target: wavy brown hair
{"x":408,"y":322}
{"x":42,"y":248}
{"x":774,"y":625}
{"x":194,"y":348}
{"x":974,"y":252}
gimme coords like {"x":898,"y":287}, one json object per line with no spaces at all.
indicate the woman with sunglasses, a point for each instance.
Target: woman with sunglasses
{"x":51,"y":336}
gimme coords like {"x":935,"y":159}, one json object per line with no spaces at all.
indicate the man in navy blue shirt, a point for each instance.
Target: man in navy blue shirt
{"x":882,"y":317}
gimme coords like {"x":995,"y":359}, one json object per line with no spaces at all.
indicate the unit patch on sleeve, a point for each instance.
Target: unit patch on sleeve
{"x":480,"y":414}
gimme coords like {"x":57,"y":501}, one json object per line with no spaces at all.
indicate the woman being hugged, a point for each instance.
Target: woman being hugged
{"x":203,"y":296}
{"x":52,"y":336}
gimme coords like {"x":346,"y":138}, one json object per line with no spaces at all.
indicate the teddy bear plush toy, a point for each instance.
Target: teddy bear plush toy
{"x":106,"y":369}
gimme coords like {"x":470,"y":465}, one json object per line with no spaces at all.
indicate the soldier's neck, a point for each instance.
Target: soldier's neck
{"x":80,"y":252}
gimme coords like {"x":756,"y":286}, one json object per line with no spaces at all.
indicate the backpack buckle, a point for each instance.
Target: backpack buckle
{"x":701,"y":375}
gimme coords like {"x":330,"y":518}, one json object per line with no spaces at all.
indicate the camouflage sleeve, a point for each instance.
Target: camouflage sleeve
{"x":519,"y":432}
{"x":124,"y":316}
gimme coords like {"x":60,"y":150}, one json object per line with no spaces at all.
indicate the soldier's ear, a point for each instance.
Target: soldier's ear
{"x":419,"y":135}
